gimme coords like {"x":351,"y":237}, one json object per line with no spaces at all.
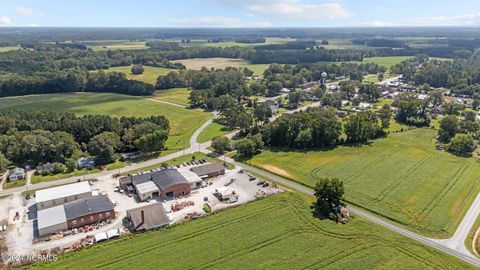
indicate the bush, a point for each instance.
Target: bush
{"x":59,"y":168}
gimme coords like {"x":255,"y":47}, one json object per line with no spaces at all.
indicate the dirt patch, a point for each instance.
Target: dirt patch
{"x":277,"y":170}
{"x":215,"y":62}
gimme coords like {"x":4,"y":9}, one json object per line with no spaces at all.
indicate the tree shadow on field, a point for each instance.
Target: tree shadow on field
{"x":317,"y":214}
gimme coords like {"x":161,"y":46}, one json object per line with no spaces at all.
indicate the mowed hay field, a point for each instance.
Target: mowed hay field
{"x":386,"y":61}
{"x":183,"y":122}
{"x":221,"y":63}
{"x":278,"y":232}
{"x":149,"y":75}
{"x":401,"y":177}
{"x":173,"y":95}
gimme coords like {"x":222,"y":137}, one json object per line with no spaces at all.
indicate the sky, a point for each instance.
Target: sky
{"x":239,"y":13}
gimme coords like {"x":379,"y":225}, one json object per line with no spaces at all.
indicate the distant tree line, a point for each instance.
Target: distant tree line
{"x":40,"y":137}
{"x":72,"y":81}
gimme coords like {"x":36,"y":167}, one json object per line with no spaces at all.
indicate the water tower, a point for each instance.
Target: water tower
{"x":324,"y":77}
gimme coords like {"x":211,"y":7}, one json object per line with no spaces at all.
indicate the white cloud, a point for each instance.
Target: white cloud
{"x":216,"y":21}
{"x":458,"y":20}
{"x":4,"y":21}
{"x":26,"y":12}
{"x":293,"y":9}
{"x":380,"y":24}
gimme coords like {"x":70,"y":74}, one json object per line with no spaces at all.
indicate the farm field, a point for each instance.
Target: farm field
{"x":278,"y":232}
{"x":105,"y":45}
{"x":174,"y":95}
{"x":150,"y":74}
{"x":205,"y":43}
{"x":183,"y":122}
{"x":386,"y":61}
{"x":401,"y":177}
{"x":220,"y":63}
{"x":7,"y":49}
{"x":213,"y":130}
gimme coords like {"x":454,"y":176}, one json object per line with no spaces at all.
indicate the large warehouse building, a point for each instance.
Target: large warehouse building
{"x":74,"y":214}
{"x":56,"y":196}
{"x":164,"y":184}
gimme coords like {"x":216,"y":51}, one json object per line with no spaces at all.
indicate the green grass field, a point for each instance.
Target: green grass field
{"x":7,"y":49}
{"x":401,"y":177}
{"x":387,"y":61}
{"x":174,"y":95}
{"x":205,"y":43}
{"x":105,"y":45}
{"x":183,"y":122}
{"x":213,"y":130}
{"x":14,"y":184}
{"x":278,"y":232}
{"x":150,"y":74}
{"x":221,"y":63}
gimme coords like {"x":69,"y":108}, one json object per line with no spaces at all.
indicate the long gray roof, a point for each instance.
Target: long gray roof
{"x":208,"y":169}
{"x":91,"y":205}
{"x":168,"y":177}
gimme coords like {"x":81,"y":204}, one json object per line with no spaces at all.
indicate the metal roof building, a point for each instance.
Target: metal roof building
{"x":168,"y":177}
{"x":147,"y":190}
{"x":51,"y":220}
{"x":50,"y":197}
{"x":209,"y":170}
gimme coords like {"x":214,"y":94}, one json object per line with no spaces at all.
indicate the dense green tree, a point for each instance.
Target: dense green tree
{"x":448,"y":128}
{"x":220,"y":144}
{"x":4,"y":163}
{"x":152,"y":142}
{"x":461,"y":144}
{"x":385,"y":115}
{"x":329,"y":194}
{"x":361,"y":127}
{"x":137,"y":69}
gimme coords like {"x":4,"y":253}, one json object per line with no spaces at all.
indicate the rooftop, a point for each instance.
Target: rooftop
{"x":154,"y":215}
{"x":83,"y":207}
{"x":207,"y":169}
{"x":168,"y":177}
{"x":62,"y":191}
{"x":51,"y":216}
{"x":189,"y":175}
{"x":147,"y":187}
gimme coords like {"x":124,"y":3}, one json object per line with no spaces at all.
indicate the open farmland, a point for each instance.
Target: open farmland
{"x":174,"y":95}
{"x":214,"y":62}
{"x":150,"y":74}
{"x":105,"y":45}
{"x":183,"y":122}
{"x":275,"y":233}
{"x":401,"y":177}
{"x":221,"y":63}
{"x":387,"y":61}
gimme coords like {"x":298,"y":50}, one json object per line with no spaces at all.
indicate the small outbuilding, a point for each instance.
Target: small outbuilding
{"x":45,"y":168}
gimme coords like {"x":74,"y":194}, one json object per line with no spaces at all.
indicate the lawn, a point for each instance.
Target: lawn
{"x":149,"y":75}
{"x":278,"y":232}
{"x":213,"y":130}
{"x":401,"y":177}
{"x":45,"y":178}
{"x":173,"y":95}
{"x":183,"y":122}
{"x":14,"y":184}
